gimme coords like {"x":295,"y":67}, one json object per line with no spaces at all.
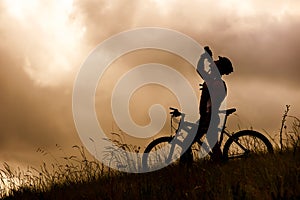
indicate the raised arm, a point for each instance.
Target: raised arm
{"x":207,"y":70}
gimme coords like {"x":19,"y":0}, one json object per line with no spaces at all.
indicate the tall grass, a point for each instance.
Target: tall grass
{"x":274,"y":177}
{"x":121,"y":155}
{"x":66,"y":171}
{"x":289,"y":133}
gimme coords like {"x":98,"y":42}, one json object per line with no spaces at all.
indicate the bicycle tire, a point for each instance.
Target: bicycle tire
{"x":253,"y":142}
{"x":152,"y":158}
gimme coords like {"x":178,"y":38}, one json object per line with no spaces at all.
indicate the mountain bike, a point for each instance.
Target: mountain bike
{"x":165,"y":150}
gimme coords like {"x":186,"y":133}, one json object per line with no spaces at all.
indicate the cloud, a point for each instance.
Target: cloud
{"x":45,"y":36}
{"x":41,"y":52}
{"x":31,"y":116}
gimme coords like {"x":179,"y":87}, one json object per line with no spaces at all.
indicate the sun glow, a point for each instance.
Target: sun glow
{"x":53,"y":38}
{"x":18,"y":8}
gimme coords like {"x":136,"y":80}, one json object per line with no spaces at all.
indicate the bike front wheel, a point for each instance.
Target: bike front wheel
{"x":246,"y":143}
{"x":158,"y":154}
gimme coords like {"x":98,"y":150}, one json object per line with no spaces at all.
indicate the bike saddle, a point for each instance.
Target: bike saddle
{"x":228,"y":111}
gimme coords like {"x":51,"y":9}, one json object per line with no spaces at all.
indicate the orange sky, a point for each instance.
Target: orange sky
{"x":44,"y":43}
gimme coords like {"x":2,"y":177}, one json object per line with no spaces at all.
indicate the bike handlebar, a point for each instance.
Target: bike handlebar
{"x":175,"y":112}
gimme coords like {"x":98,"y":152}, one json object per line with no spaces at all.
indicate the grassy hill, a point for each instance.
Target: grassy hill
{"x":274,"y":176}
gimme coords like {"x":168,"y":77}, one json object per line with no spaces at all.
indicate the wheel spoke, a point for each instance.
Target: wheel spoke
{"x":246,"y":143}
{"x":160,"y":153}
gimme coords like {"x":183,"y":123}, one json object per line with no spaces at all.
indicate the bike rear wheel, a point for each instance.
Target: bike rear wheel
{"x":246,"y":143}
{"x":158,"y":154}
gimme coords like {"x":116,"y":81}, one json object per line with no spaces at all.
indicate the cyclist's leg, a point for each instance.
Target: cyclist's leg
{"x":187,"y":156}
{"x":213,"y":140}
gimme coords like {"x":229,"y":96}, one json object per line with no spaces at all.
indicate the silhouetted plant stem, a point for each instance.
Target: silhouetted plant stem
{"x":283,"y":125}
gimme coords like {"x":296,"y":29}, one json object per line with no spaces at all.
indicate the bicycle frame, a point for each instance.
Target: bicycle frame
{"x":189,"y":125}
{"x":187,"y":128}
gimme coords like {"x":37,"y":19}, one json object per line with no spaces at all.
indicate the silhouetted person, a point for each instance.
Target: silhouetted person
{"x":214,"y":92}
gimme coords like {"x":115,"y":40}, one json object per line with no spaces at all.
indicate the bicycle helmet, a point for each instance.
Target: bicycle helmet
{"x":224,"y":65}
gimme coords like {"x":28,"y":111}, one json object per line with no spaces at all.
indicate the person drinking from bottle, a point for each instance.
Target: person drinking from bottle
{"x":214,"y":91}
